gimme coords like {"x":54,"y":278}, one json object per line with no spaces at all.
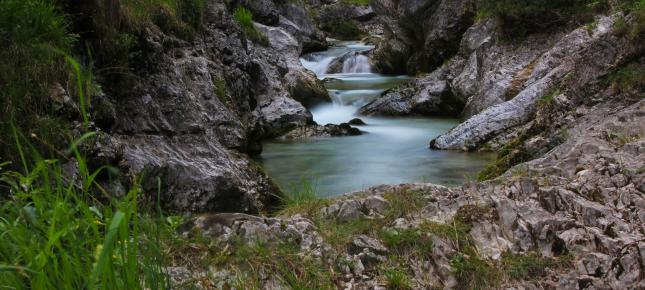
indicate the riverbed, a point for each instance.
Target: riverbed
{"x":392,"y":150}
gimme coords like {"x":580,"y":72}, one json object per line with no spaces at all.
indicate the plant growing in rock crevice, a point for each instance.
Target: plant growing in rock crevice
{"x":244,"y":17}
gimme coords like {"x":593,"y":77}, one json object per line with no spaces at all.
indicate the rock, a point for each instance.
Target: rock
{"x":264,"y":11}
{"x":356,"y":122}
{"x":427,"y":96}
{"x":197,"y":109}
{"x":571,"y":54}
{"x":329,"y":130}
{"x":363,"y":242}
{"x":420,"y":35}
{"x":302,"y":84}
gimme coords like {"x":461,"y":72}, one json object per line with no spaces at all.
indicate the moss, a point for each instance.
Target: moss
{"x":547,"y":99}
{"x":509,"y":155}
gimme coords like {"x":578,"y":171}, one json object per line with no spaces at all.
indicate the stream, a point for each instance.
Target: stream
{"x":392,"y":151}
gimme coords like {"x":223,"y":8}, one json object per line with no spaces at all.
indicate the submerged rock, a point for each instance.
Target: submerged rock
{"x":356,"y":122}
{"x":315,"y":130}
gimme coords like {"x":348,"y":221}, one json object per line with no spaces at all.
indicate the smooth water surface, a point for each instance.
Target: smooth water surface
{"x":393,"y":150}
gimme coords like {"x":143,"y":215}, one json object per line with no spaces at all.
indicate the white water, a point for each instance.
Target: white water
{"x":357,"y":64}
{"x":392,"y":150}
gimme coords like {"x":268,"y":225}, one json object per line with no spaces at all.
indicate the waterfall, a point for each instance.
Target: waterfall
{"x":357,"y":64}
{"x":317,"y":64}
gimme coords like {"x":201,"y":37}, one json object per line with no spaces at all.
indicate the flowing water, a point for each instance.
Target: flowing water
{"x":393,"y":150}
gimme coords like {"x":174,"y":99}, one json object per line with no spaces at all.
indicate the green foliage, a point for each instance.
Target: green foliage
{"x":357,"y":2}
{"x":630,"y":77}
{"x":282,"y":259}
{"x":547,"y":99}
{"x":473,"y":273}
{"x":57,"y":234}
{"x":245,"y":18}
{"x":407,"y":241}
{"x":509,"y":155}
{"x":303,"y":199}
{"x":635,"y":28}
{"x":397,"y":279}
{"x":34,"y":41}
{"x":530,"y":266}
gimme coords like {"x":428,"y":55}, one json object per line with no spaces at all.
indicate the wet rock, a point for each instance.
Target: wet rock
{"x":329,"y":130}
{"x":356,"y":122}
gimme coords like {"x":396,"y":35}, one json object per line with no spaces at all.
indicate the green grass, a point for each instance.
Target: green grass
{"x":630,"y":77}
{"x":397,"y":279}
{"x":474,"y":273}
{"x":509,"y":155}
{"x":302,"y":199}
{"x":531,"y":266}
{"x":357,"y":2}
{"x":281,"y":260}
{"x":32,"y":35}
{"x":245,"y":18}
{"x":59,"y":233}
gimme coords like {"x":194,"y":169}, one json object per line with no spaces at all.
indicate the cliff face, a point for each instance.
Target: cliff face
{"x":420,"y":35}
{"x":199,"y":108}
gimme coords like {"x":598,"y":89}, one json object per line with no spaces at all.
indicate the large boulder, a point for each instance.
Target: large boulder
{"x":197,"y":109}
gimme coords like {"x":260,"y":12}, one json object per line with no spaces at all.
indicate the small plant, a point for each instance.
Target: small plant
{"x":245,"y":18}
{"x":547,"y":99}
{"x":397,"y":279}
{"x":509,"y":155}
{"x":628,"y":77}
{"x":407,"y":240}
{"x":474,"y":273}
{"x":357,"y":2}
{"x":530,"y":266}
{"x":404,"y":202}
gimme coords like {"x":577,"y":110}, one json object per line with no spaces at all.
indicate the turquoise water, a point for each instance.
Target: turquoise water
{"x":393,"y":150}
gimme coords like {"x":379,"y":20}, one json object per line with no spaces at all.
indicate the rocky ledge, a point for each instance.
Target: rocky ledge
{"x":571,"y":219}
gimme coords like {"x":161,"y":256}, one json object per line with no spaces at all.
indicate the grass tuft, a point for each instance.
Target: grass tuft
{"x":245,"y":18}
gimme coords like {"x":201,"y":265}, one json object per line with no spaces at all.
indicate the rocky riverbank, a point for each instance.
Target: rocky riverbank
{"x":562,"y":208}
